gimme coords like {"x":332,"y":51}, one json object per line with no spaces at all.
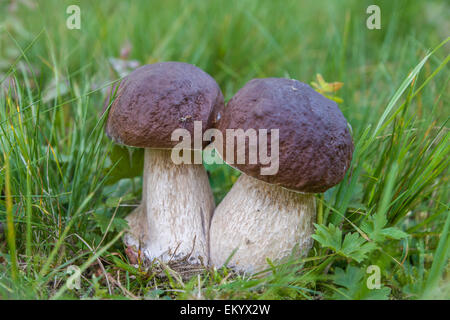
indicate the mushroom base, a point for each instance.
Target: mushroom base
{"x":172,"y":222}
{"x":260,"y":221}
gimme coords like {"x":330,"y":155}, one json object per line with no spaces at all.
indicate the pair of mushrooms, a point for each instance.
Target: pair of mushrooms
{"x":263,"y":216}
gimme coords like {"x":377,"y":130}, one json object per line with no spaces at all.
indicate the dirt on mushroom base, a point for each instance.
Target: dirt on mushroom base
{"x":181,"y":269}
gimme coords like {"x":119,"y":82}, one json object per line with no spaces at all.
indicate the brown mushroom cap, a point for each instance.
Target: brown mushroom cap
{"x":315,"y":146}
{"x":154,"y":100}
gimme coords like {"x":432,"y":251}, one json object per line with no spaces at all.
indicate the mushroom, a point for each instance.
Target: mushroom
{"x":271,"y":216}
{"x":172,"y":221}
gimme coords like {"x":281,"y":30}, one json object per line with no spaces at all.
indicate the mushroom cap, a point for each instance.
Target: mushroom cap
{"x":154,"y":100}
{"x":315,"y":145}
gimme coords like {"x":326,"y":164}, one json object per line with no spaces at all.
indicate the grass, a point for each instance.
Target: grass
{"x":65,"y":188}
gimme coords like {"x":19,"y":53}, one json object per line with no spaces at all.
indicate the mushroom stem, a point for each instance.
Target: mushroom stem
{"x":173,"y":219}
{"x":262,"y":221}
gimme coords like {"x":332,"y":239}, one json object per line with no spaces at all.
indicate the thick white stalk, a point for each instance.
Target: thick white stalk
{"x":173,"y":219}
{"x":262,"y":221}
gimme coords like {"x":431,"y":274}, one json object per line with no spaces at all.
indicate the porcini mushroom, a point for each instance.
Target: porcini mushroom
{"x":267,"y":216}
{"x":173,"y":219}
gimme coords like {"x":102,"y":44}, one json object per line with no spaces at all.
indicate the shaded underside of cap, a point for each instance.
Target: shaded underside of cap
{"x":154,"y":100}
{"x":315,"y":145}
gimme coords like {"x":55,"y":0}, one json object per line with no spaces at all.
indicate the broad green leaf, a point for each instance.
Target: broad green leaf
{"x":125,"y":163}
{"x":103,"y":220}
{"x":353,"y":285}
{"x":330,"y":237}
{"x":353,"y":247}
{"x":393,"y":233}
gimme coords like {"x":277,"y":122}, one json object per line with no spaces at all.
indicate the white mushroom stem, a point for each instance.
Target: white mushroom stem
{"x":173,"y":219}
{"x":261,"y":221}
